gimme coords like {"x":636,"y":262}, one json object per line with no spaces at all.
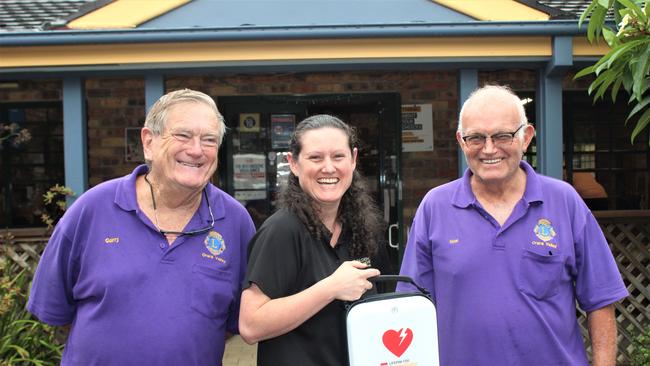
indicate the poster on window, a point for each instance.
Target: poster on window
{"x":282,"y":126}
{"x":249,"y":122}
{"x":249,"y":171}
{"x":417,"y":127}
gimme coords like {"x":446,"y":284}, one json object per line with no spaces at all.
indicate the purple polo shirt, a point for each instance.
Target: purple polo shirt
{"x":131,"y":298}
{"x":505,"y":295}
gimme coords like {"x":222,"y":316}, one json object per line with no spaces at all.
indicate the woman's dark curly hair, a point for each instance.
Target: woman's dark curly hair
{"x":357,"y":210}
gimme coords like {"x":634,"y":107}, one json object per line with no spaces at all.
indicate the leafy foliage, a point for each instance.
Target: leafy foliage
{"x":12,"y":135}
{"x":641,"y":353}
{"x":23,"y":339}
{"x":627,"y":64}
{"x":55,"y":204}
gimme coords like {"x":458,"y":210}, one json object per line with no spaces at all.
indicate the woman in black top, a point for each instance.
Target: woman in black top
{"x":311,"y":255}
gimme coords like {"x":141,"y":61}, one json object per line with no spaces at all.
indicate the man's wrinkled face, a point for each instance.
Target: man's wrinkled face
{"x":492,"y":152}
{"x":185,"y":154}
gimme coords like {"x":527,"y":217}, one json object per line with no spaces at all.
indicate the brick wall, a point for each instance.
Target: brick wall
{"x":116,"y":103}
{"x":517,"y":79}
{"x":31,"y":91}
{"x":111,"y":106}
{"x":420,"y":170}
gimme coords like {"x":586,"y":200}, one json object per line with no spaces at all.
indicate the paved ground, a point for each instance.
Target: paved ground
{"x":238,"y":353}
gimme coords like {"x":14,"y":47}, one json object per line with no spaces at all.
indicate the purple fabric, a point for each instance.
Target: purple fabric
{"x":506,"y":295}
{"x":131,"y":298}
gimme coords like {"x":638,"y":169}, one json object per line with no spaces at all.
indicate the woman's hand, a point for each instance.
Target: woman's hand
{"x":262,"y":318}
{"x":350,"y":280}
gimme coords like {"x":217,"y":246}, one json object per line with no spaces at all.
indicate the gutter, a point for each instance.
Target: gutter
{"x":410,"y":30}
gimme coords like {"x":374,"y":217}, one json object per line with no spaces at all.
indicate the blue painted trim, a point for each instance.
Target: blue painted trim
{"x":549,"y":125}
{"x":468,"y":82}
{"x":79,"y":37}
{"x":549,"y":108}
{"x":562,"y":58}
{"x":75,"y":149}
{"x":154,"y":88}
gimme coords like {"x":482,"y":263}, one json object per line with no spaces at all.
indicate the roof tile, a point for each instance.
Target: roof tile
{"x":34,"y":15}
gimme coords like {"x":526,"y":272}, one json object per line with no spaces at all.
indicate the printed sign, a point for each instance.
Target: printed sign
{"x":282,"y":126}
{"x":245,"y":196}
{"x":417,"y":127}
{"x":249,"y":171}
{"x":249,"y":122}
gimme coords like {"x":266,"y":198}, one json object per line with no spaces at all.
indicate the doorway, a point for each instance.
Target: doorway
{"x":253,"y":162}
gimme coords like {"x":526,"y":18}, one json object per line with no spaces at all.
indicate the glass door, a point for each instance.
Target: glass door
{"x":253,"y":162}
{"x":390,"y":174}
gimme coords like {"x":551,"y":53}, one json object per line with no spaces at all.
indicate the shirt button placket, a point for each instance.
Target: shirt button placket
{"x":498,"y":242}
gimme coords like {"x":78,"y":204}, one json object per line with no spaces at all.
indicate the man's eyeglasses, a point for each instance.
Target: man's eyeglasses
{"x":207,"y":140}
{"x":180,"y":233}
{"x":501,"y":139}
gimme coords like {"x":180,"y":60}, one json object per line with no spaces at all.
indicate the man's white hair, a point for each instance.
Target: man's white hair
{"x":486,"y":90}
{"x":157,"y":116}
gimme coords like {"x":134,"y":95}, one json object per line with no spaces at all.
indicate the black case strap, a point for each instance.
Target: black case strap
{"x":397,"y":278}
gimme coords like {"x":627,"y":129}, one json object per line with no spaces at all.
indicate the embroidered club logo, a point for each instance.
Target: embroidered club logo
{"x":215,"y":243}
{"x":544,"y":230}
{"x":397,"y":341}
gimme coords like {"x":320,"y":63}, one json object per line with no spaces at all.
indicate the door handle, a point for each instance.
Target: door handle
{"x":390,"y":236}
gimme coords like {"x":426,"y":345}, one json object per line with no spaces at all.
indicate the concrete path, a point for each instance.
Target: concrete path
{"x":238,"y":353}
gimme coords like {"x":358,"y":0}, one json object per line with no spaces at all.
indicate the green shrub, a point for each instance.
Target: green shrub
{"x":54,"y":201}
{"x":641,"y":353}
{"x":23,"y":339}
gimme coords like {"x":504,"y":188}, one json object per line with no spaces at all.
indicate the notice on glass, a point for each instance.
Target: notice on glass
{"x":282,"y":126}
{"x":249,"y":171}
{"x":245,"y":196}
{"x":417,"y":127}
{"x":249,"y":122}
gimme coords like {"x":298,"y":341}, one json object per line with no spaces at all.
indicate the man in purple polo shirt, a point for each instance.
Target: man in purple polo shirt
{"x":146,"y":269}
{"x":506,"y":252}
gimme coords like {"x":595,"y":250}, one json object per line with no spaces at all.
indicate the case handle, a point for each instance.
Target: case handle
{"x":398,"y":278}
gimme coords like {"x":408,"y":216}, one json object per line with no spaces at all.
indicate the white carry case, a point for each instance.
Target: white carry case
{"x":393,"y":328}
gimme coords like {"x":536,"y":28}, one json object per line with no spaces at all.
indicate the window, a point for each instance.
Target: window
{"x":600,"y":153}
{"x":30,"y":168}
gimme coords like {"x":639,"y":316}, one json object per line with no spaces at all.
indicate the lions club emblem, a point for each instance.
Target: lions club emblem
{"x":544,"y":230}
{"x":215,"y":243}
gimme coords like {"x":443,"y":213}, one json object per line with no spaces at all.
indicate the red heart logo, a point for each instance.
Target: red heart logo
{"x":397,"y":341}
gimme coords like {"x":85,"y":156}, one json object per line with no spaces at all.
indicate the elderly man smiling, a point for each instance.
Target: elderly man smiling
{"x":506,"y":252}
{"x":147,"y":268}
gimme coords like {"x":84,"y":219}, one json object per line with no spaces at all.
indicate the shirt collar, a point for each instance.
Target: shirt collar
{"x":464,"y":197}
{"x":125,"y":196}
{"x":533,"y":192}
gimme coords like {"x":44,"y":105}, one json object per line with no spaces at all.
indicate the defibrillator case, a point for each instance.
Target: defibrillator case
{"x":398,"y":328}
